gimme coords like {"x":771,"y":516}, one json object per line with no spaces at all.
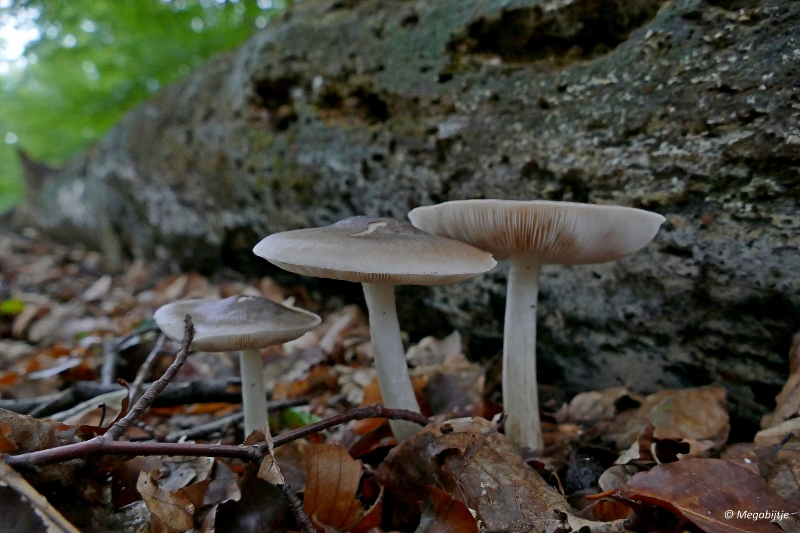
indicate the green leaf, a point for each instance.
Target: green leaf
{"x":295,"y":417}
{"x":11,"y":307}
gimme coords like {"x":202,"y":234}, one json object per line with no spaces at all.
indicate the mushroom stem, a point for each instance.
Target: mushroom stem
{"x":520,"y":394}
{"x":254,"y":396}
{"x":390,"y":360}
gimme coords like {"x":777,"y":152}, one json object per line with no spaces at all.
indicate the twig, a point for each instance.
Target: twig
{"x":223,"y":423}
{"x":109,"y":369}
{"x":118,"y":429}
{"x":297,"y":508}
{"x":256,"y":453}
{"x":371,"y":411}
{"x":49,"y":401}
{"x":176,"y":393}
{"x":12,"y":479}
{"x":139,"y":332}
{"x":146,"y":368}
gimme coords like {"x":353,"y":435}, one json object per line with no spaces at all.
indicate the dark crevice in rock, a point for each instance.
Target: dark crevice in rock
{"x":337,"y":101}
{"x":274,"y":95}
{"x":734,"y":5}
{"x":585,"y":30}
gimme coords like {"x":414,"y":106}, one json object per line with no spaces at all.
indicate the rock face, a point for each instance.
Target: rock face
{"x":374,"y":107}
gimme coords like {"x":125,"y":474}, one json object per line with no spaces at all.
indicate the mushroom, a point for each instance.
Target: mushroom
{"x":529,"y":234}
{"x":246,"y":323}
{"x":379,"y":253}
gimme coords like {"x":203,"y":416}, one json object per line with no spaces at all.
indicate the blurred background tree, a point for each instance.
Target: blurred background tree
{"x":70,"y":69}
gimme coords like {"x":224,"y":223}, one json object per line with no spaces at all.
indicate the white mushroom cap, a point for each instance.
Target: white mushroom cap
{"x":235,"y":323}
{"x":374,"y":250}
{"x":564,"y":233}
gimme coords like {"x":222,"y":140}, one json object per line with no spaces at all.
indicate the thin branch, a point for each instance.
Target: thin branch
{"x":146,"y":368}
{"x":371,"y":411}
{"x":118,"y":429}
{"x":297,"y":508}
{"x":176,"y":393}
{"x":109,"y":368}
{"x":12,"y":479}
{"x":223,"y":423}
{"x":255,"y":453}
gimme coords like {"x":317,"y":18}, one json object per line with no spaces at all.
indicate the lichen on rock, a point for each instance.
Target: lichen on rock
{"x":689,"y":108}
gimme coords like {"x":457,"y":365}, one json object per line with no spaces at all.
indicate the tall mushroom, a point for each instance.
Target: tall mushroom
{"x":246,"y":323}
{"x":530,"y":234}
{"x":379,"y":253}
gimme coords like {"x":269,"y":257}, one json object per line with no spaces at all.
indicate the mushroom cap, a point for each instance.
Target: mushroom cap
{"x":564,"y":233}
{"x":374,"y":250}
{"x":235,"y":323}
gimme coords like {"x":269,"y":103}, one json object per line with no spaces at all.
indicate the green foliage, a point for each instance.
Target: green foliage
{"x":11,"y":307}
{"x":96,"y":59}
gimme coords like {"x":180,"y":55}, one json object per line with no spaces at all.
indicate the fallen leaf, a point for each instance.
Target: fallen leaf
{"x":31,"y":434}
{"x":442,"y":513}
{"x":704,"y":490}
{"x":431,"y":351}
{"x":698,"y":414}
{"x":778,"y":432}
{"x":332,"y":482}
{"x":176,"y":509}
{"x":269,"y":470}
{"x":6,"y":444}
{"x":594,"y":406}
{"x":454,"y":388}
{"x":777,"y":464}
{"x":469,"y":460}
{"x":223,"y":487}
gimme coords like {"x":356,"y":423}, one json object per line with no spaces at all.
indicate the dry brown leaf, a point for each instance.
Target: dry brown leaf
{"x":6,"y":443}
{"x":441,"y":513}
{"x":777,"y":433}
{"x":594,"y":406}
{"x":320,"y":379}
{"x":269,"y":470}
{"x":31,"y":434}
{"x":176,"y":509}
{"x":454,"y":388}
{"x":223,"y":487}
{"x":431,"y":351}
{"x":704,"y":490}
{"x":788,"y":403}
{"x":779,"y":465}
{"x":293,"y":461}
{"x":474,"y":464}
{"x":332,"y":482}
{"x":698,"y":414}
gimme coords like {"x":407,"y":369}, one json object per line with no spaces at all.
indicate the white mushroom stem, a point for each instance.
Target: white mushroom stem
{"x":254,"y":396}
{"x":390,"y":360}
{"x":520,"y":393}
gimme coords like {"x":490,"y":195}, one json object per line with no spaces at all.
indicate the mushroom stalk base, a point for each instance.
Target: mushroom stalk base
{"x":520,"y":394}
{"x":254,"y":396}
{"x":390,"y":359}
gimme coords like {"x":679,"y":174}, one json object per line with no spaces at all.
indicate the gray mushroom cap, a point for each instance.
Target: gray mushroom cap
{"x":564,"y":233}
{"x":374,"y":250}
{"x":235,"y":323}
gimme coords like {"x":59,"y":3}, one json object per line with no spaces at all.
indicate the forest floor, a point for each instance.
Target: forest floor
{"x":614,"y":460}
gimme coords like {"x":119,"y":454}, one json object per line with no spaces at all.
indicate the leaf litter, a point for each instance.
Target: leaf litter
{"x":615,"y":460}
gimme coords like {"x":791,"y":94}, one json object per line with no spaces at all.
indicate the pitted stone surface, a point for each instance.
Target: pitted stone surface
{"x":374,"y":107}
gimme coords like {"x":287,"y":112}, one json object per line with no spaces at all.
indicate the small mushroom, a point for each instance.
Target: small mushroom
{"x":379,"y":253}
{"x":246,"y":323}
{"x":530,"y":234}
